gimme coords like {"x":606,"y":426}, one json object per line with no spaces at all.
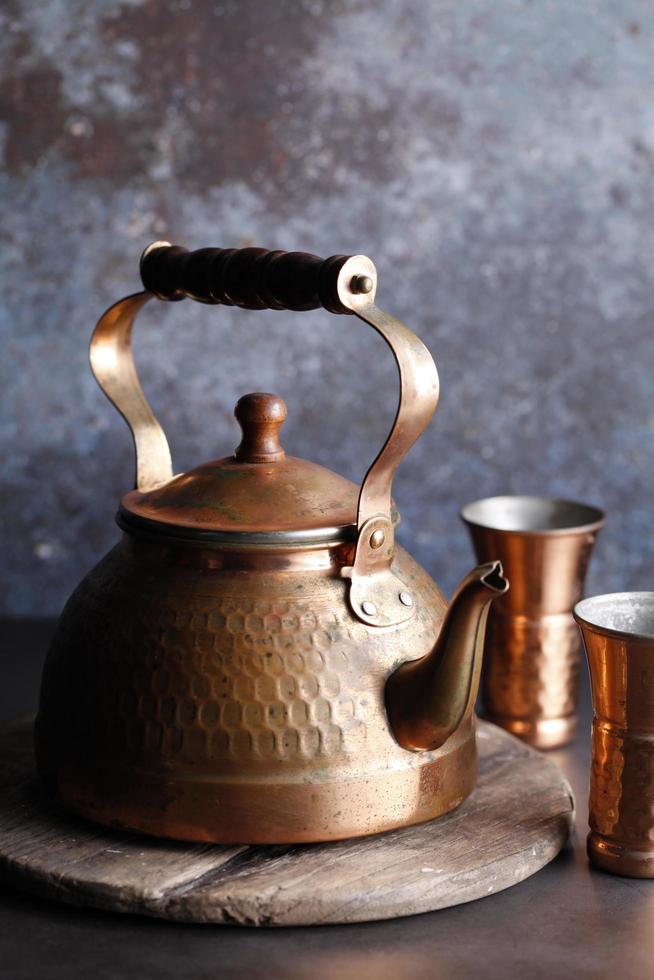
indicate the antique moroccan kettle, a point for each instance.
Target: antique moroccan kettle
{"x":257,"y":661}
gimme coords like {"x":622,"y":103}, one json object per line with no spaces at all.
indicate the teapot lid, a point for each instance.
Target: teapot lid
{"x":258,"y":491}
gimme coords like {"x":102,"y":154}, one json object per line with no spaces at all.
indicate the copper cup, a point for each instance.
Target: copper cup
{"x":618,"y":632}
{"x":530,"y":677}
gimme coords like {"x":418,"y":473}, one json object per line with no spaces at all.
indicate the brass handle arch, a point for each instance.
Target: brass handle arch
{"x":261,"y":279}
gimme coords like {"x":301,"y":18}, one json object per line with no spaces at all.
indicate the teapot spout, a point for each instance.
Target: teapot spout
{"x":427,"y":699}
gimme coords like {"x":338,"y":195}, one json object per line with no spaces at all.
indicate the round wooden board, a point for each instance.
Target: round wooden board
{"x":516,"y":821}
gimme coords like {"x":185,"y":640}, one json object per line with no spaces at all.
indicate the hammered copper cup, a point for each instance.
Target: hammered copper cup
{"x":530,"y":677}
{"x":618,"y":632}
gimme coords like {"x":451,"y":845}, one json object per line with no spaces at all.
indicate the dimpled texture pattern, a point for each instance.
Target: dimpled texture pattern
{"x":621,"y":801}
{"x":531,"y":669}
{"x":273,"y":689}
{"x":165,"y":666}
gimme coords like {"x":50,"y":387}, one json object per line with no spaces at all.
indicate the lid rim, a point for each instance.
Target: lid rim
{"x":303,"y":537}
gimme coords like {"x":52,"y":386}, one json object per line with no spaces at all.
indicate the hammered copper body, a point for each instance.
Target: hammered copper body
{"x":245,"y":678}
{"x":530,"y":676}
{"x":226,"y":672}
{"x":618,"y":633}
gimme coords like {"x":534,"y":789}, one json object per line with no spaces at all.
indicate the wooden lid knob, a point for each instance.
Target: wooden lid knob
{"x":260,"y":416}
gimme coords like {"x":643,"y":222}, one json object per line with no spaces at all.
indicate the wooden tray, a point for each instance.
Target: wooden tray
{"x":517,"y":820}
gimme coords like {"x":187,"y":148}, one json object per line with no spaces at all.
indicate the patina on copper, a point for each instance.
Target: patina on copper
{"x":224,"y":674}
{"x":618,"y":633}
{"x":530,"y":678}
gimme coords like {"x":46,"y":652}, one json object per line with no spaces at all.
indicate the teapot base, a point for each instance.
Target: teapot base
{"x":181,"y":807}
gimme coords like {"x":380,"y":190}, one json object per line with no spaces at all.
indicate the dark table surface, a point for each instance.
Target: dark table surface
{"x":565,"y":921}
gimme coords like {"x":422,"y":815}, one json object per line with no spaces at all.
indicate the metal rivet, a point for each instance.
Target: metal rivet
{"x":377,"y":538}
{"x":405,"y":599}
{"x":361,"y":284}
{"x":369,"y":608}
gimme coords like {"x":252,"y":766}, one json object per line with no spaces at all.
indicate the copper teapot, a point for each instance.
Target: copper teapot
{"x":257,"y":660}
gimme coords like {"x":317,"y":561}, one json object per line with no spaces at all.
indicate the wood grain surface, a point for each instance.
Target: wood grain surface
{"x":516,"y":821}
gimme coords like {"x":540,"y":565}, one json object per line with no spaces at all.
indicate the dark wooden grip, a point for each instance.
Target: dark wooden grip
{"x":252,"y":278}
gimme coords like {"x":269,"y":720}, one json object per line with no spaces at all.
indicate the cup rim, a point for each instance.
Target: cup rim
{"x":596,"y":516}
{"x":583,"y":610}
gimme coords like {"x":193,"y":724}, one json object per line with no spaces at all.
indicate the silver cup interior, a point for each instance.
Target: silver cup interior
{"x":629,"y":613}
{"x":531,"y":514}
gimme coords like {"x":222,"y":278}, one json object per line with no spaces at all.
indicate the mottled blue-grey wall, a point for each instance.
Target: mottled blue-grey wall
{"x":495,"y":159}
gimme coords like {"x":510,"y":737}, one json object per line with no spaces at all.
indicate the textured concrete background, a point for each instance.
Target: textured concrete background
{"x":495,"y":159}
